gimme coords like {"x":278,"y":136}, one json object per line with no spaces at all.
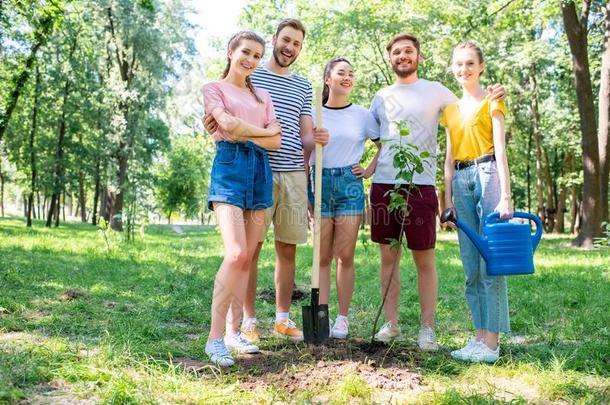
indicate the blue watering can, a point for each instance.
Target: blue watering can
{"x":507,"y":248}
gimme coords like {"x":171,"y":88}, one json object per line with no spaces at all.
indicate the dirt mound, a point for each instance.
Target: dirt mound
{"x":268,"y":295}
{"x":295,"y":367}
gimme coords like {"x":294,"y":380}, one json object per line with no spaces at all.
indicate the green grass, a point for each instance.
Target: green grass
{"x":78,"y":321}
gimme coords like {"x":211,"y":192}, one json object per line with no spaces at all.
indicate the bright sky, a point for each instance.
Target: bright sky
{"x":217,"y":19}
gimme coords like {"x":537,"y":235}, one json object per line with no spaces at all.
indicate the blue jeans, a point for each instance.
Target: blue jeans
{"x":476,"y":193}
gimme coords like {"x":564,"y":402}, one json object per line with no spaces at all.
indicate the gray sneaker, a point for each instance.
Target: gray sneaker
{"x":388,"y":332}
{"x":218,"y":353}
{"x":427,"y":339}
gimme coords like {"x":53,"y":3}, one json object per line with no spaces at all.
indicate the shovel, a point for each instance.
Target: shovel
{"x":315,"y":316}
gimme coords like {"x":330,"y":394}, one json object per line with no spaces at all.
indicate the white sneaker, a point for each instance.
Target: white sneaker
{"x":427,"y":339}
{"x":239,"y":344}
{"x":218,"y":353}
{"x":482,"y":353}
{"x":388,"y":332}
{"x":465,"y":352}
{"x":340,"y":329}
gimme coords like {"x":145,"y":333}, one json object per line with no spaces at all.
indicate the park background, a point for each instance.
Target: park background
{"x":101,"y":141}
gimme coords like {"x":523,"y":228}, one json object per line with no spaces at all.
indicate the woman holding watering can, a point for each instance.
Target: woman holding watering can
{"x":349,"y":127}
{"x":477,"y":178}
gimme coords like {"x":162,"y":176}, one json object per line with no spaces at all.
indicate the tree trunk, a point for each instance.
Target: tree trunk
{"x":82,"y":198}
{"x":1,"y":189}
{"x":576,"y":30}
{"x":573,"y":207}
{"x":106,"y":204}
{"x":33,"y":151}
{"x":58,"y":210}
{"x":44,"y":204}
{"x":561,"y":206}
{"x":59,"y":160}
{"x":550,"y":192}
{"x":126,"y":62}
{"x":540,"y":209}
{"x":604,"y":120}
{"x":563,"y":193}
{"x":116,"y":213}
{"x":37,"y":210}
{"x":96,"y":194}
{"x":51,"y":211}
{"x":63,"y":208}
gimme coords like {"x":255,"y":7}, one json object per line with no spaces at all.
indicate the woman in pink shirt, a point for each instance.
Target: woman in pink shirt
{"x":241,"y":183}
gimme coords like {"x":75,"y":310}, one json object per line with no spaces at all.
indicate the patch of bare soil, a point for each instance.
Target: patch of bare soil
{"x":71,"y":294}
{"x":47,"y":394}
{"x":300,"y":367}
{"x":268,"y":295}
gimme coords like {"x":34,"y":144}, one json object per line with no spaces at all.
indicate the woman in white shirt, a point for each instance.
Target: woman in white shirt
{"x":349,"y":127}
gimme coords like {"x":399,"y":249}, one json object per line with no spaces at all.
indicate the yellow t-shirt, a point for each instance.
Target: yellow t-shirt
{"x":471,"y":135}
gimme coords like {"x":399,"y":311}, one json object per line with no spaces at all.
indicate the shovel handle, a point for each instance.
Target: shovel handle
{"x":317,"y":209}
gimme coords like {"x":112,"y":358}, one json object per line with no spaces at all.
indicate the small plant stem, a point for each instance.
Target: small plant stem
{"x":395,"y":268}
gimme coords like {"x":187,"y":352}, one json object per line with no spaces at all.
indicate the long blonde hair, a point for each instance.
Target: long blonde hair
{"x":234,"y":42}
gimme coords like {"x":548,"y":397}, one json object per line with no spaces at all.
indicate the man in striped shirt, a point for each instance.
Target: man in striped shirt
{"x":292,"y":97}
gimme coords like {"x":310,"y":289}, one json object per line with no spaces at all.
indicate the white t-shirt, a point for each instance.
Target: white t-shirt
{"x":348,"y":127}
{"x":421,"y":104}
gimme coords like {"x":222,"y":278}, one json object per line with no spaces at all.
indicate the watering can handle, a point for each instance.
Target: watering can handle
{"x":519,"y":214}
{"x":535,"y":237}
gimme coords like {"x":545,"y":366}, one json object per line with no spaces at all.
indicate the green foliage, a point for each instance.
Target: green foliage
{"x":111,"y":239}
{"x":182,"y":180}
{"x":109,"y":121}
{"x":407,"y":160}
{"x":514,"y":35}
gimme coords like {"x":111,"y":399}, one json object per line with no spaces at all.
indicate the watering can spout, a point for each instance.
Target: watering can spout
{"x":477,"y":240}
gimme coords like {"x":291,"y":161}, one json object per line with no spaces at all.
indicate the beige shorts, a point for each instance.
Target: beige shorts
{"x":289,"y":210}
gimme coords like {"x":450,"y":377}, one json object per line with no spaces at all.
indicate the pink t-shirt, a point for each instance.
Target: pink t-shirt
{"x":239,"y":102}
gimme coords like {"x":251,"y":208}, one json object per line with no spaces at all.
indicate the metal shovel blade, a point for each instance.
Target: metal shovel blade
{"x":315,"y":320}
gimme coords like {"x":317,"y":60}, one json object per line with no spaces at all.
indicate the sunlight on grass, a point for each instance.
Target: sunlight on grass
{"x":79,"y":322}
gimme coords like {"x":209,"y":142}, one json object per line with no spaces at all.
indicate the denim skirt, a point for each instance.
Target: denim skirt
{"x":241,"y":176}
{"x":342,"y":192}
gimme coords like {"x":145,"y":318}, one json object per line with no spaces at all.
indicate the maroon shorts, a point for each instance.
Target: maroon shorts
{"x":419,"y":225}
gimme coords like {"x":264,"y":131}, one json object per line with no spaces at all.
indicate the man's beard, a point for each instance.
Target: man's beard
{"x":405,"y":73}
{"x":276,"y":56}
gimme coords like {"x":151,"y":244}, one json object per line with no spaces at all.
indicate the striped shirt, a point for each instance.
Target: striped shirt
{"x":292,"y":97}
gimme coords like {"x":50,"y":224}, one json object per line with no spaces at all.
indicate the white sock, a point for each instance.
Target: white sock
{"x":250,"y":320}
{"x":281,"y":316}
{"x":339,"y":317}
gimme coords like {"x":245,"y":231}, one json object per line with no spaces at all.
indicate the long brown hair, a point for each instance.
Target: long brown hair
{"x":329,"y":66}
{"x":234,"y":43}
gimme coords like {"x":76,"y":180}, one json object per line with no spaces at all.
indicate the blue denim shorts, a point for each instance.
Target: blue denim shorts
{"x":241,"y":176}
{"x":342,"y":192}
